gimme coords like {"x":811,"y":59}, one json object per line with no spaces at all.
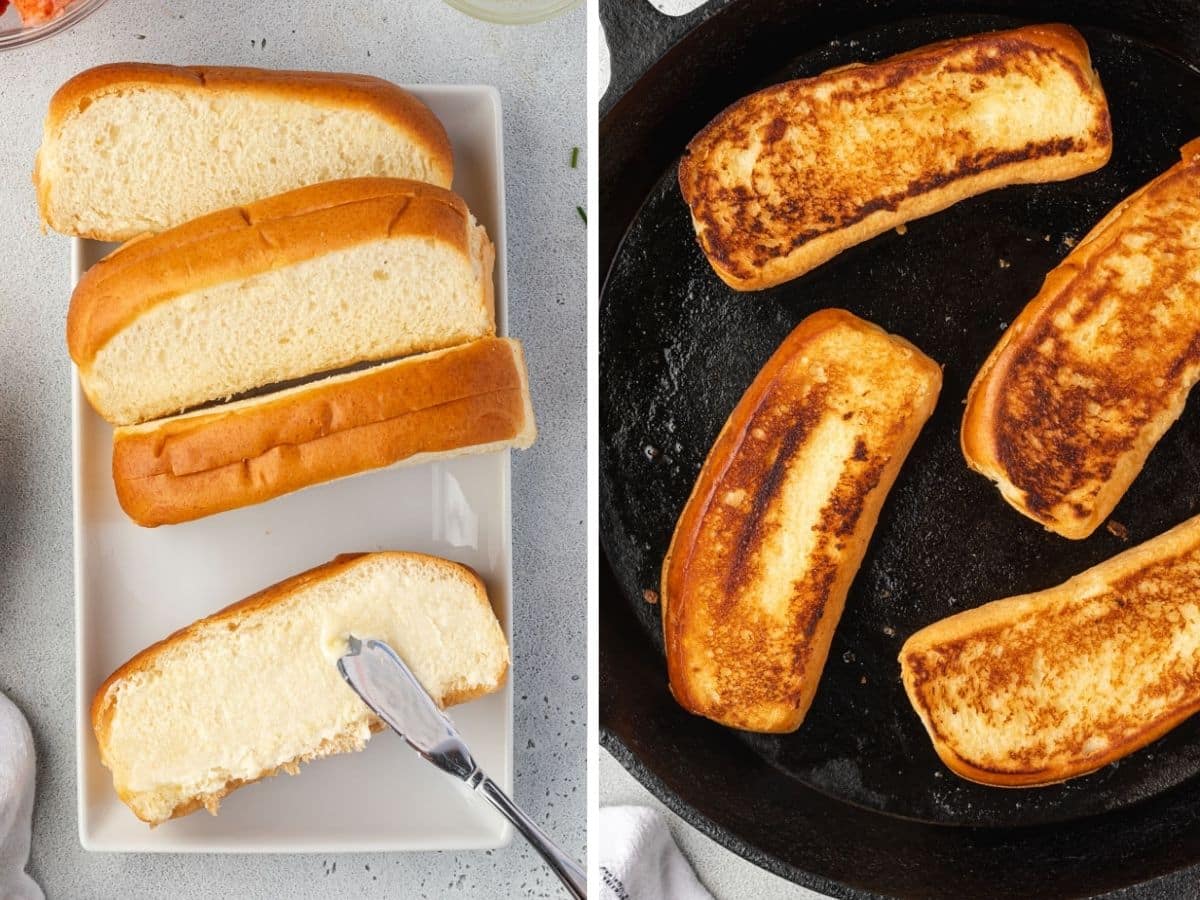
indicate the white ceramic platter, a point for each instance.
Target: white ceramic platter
{"x":134,"y":586}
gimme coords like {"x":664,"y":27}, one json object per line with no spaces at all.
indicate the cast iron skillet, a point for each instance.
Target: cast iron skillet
{"x":856,"y":801}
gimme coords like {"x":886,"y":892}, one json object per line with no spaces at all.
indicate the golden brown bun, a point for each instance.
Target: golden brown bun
{"x":1043,"y":687}
{"x":466,"y":399}
{"x":1099,"y":364}
{"x":762,"y":558}
{"x":227,"y":254}
{"x":234,"y":244}
{"x":789,"y":177}
{"x":381,"y":100}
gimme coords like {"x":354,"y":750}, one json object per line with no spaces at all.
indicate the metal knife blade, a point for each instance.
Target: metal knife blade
{"x":393,"y":692}
{"x":388,"y":686}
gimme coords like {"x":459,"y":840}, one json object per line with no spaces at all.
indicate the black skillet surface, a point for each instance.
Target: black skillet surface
{"x":857,"y":798}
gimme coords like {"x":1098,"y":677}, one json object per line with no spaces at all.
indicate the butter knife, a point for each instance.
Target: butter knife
{"x":393,"y":693}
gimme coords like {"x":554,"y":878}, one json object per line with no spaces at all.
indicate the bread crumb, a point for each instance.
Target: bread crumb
{"x":650,"y":596}
{"x":901,"y":229}
{"x":1116,"y":529}
{"x":1069,"y":241}
{"x":1004,"y":264}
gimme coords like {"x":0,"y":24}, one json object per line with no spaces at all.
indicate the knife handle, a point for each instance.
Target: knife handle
{"x":564,"y":867}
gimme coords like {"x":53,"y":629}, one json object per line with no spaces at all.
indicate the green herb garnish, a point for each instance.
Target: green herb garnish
{"x":582,"y":214}
{"x":574,"y":157}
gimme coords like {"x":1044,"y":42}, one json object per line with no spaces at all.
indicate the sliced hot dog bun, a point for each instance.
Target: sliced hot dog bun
{"x":1099,"y":365}
{"x":310,"y":281}
{"x":468,"y":399}
{"x":134,"y":147}
{"x":253,"y":689}
{"x":768,"y":544}
{"x":789,"y":177}
{"x":1042,"y":687}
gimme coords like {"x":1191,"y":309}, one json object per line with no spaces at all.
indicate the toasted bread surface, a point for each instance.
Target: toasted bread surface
{"x":138,"y":147}
{"x":253,"y":689}
{"x":1099,"y":365}
{"x":776,"y":527}
{"x":467,"y":399}
{"x":1043,"y":687}
{"x":789,"y":177}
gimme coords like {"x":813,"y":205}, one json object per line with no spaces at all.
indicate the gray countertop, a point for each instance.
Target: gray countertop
{"x":540,"y":72}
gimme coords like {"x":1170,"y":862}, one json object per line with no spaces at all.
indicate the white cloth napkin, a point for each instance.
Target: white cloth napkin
{"x":16,"y":804}
{"x":677,"y":7}
{"x":639,"y":859}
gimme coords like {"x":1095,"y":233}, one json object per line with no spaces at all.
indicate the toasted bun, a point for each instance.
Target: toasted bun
{"x":253,"y":689}
{"x":134,"y":147}
{"x":789,"y":177}
{"x":468,"y":399}
{"x":1099,"y":365}
{"x":1043,"y":687}
{"x":307,"y":282}
{"x":773,"y":534}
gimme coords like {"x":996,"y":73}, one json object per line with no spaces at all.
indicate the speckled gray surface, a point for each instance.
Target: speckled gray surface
{"x":539,"y":71}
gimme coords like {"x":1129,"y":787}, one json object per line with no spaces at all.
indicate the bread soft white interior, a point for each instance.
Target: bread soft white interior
{"x":254,"y":689}
{"x":139,"y":159}
{"x":388,"y":298}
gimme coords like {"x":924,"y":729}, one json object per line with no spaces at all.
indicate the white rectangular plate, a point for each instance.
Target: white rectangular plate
{"x":134,"y":586}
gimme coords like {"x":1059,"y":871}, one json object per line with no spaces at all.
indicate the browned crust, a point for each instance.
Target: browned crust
{"x":331,"y":89}
{"x":1065,"y":157}
{"x":236,"y":243}
{"x":1123,"y":572}
{"x":847,"y":523}
{"x":183,"y":468}
{"x":1038,"y":487}
{"x":103,"y":703}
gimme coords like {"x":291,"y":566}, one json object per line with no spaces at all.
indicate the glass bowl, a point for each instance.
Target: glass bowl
{"x":13,"y":34}
{"x":513,"y":12}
